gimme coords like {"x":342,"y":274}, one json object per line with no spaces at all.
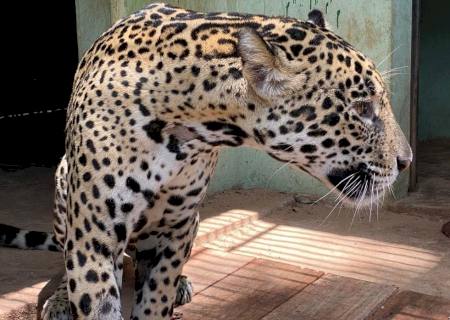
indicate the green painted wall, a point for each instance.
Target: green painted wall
{"x":375,"y":27}
{"x":400,"y":62}
{"x":93,"y":17}
{"x":434,"y":72}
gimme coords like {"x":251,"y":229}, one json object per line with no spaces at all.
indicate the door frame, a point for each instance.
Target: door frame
{"x":414,"y":91}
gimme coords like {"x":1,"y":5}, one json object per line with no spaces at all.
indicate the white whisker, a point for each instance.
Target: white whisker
{"x":329,"y":192}
{"x":388,"y":56}
{"x":349,"y":184}
{"x":351,"y":189}
{"x":277,"y":171}
{"x":371,"y":202}
{"x":335,"y":206}
{"x":392,"y":192}
{"x":361,"y":196}
{"x":378,"y":202}
{"x":340,"y":208}
{"x":393,"y":69}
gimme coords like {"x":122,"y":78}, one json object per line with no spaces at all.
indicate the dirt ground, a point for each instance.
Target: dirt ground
{"x":404,"y":250}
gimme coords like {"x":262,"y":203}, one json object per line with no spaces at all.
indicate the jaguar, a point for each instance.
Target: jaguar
{"x":156,"y":98}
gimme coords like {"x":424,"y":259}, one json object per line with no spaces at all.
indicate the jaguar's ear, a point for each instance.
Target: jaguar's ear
{"x":261,"y":65}
{"x":316,"y":17}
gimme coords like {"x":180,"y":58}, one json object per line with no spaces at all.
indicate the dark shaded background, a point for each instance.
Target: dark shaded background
{"x":39,"y":39}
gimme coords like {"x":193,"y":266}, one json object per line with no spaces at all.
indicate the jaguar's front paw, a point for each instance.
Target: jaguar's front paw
{"x":177,"y":316}
{"x":56,"y":309}
{"x":185,"y":291}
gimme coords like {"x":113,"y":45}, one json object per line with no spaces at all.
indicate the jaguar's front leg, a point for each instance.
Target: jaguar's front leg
{"x":94,"y":292}
{"x":57,"y":306}
{"x":98,"y":231}
{"x":159,"y":263}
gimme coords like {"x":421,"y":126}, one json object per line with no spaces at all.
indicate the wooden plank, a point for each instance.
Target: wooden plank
{"x":206,"y":267}
{"x":249,"y":293}
{"x":334,"y":297}
{"x":409,"y":305}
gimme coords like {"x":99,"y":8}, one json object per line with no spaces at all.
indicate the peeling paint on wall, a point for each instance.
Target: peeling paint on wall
{"x":338,"y":13}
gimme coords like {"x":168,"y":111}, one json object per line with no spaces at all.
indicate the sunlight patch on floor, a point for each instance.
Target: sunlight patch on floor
{"x":351,"y":256}
{"x":17,"y":299}
{"x":228,"y":221}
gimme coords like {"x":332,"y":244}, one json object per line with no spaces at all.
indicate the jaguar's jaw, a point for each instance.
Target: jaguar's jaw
{"x":357,"y":186}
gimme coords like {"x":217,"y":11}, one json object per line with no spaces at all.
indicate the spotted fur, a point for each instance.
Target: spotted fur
{"x":155,"y":99}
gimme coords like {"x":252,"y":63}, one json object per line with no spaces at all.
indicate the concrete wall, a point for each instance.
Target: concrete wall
{"x":376,"y":28}
{"x":434,"y":72}
{"x":93,"y":17}
{"x":400,"y":64}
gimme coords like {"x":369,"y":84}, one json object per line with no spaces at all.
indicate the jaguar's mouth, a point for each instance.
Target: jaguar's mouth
{"x":356,"y":185}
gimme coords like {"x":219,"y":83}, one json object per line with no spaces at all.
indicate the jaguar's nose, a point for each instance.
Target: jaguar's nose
{"x":403,"y":163}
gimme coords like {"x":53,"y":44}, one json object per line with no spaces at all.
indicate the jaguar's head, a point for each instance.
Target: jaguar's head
{"x":324,"y":107}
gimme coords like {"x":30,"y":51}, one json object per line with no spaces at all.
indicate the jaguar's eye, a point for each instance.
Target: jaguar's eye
{"x":365,"y":109}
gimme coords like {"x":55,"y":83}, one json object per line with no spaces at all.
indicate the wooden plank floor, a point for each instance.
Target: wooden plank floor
{"x":234,"y":287}
{"x":334,"y":297}
{"x":409,"y":305}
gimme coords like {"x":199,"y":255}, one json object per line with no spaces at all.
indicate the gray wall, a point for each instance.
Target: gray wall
{"x":434,"y":70}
